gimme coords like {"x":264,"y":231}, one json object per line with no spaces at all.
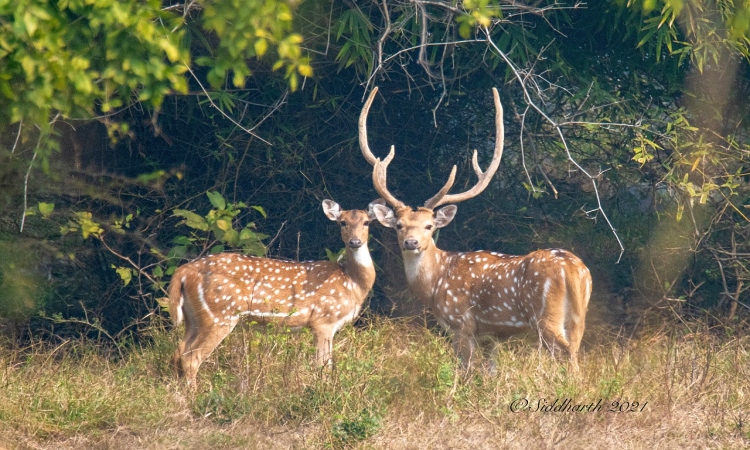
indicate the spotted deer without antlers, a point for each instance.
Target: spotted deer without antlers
{"x":212,"y":294}
{"x":480,"y":294}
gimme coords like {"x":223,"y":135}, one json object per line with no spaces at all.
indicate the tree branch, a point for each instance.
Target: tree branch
{"x":557,"y":127}
{"x":249,"y":131}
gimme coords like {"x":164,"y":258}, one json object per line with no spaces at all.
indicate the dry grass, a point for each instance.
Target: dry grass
{"x":395,"y":386}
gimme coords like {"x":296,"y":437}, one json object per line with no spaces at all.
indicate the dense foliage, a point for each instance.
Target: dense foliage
{"x":141,"y":134}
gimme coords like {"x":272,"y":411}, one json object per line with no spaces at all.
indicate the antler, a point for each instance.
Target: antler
{"x":379,"y":172}
{"x":363,"y":129}
{"x":379,"y":175}
{"x":483,"y":177}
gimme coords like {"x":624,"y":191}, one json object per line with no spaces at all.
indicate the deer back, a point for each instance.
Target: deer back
{"x":493,"y":293}
{"x":228,"y":286}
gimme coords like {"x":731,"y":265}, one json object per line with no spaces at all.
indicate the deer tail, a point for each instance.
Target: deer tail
{"x":176,"y":297}
{"x":578,"y":293}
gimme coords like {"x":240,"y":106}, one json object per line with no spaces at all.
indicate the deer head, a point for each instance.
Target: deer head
{"x":415,"y":227}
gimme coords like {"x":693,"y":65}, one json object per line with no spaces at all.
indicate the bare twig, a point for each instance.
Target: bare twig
{"x":26,"y":183}
{"x":546,"y":178}
{"x":249,"y":131}
{"x":18,"y":137}
{"x":558,"y":128}
{"x":136,"y":266}
{"x":278,"y":233}
{"x":421,"y":45}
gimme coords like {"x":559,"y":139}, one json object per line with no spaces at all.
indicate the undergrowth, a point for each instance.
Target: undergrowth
{"x":395,"y":384}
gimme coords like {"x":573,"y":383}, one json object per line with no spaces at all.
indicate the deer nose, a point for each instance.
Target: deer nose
{"x":410,"y":244}
{"x":355,"y":243}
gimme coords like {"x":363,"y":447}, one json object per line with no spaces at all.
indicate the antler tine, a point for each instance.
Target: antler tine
{"x":432,"y":202}
{"x":379,"y":176}
{"x":363,"y":129}
{"x":380,"y":168}
{"x":441,"y":198}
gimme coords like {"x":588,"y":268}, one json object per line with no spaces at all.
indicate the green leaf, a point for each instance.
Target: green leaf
{"x":217,"y":200}
{"x":177,"y":252}
{"x":247,"y":234}
{"x":88,"y":226}
{"x":254,"y":248}
{"x":182,"y":240}
{"x":224,"y":225}
{"x":192,"y":219}
{"x":45,"y":209}
{"x":260,"y":210}
{"x":30,"y":22}
{"x":126,"y":274}
{"x":231,"y":237}
{"x":149,"y":177}
{"x":261,"y":46}
{"x":335,"y":256}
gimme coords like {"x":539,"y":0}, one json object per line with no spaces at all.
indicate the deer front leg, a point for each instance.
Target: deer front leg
{"x":464,"y":345}
{"x":323,"y":341}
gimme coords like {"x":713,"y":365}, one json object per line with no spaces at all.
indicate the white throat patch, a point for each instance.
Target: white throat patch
{"x":412,"y":262}
{"x":361,"y":256}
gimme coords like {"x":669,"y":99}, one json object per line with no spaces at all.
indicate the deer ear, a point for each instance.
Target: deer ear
{"x":371,"y":207}
{"x":443,"y":216}
{"x":332,"y":209}
{"x":384,"y":215}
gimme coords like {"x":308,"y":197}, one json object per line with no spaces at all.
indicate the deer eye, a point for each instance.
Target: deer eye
{"x":428,"y":227}
{"x":399,"y":226}
{"x":343,"y":224}
{"x":367,"y":223}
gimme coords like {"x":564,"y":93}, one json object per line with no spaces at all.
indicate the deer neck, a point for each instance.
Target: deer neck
{"x":358,"y":266}
{"x":423,"y":270}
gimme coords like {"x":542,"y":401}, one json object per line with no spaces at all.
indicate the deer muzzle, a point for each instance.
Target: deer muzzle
{"x":411,"y":244}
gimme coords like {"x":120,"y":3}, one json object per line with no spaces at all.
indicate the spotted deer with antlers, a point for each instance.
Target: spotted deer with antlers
{"x":212,"y":294}
{"x":482,"y":294}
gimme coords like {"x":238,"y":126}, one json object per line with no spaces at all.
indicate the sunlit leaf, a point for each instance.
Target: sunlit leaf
{"x":216,"y":199}
{"x":260,"y":210}
{"x":45,"y":209}
{"x":126,"y":274}
{"x":192,"y":219}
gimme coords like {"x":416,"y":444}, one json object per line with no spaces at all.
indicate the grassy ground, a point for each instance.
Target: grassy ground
{"x":395,"y":386}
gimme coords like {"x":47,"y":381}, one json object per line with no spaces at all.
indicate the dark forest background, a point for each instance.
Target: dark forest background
{"x":140,"y":135}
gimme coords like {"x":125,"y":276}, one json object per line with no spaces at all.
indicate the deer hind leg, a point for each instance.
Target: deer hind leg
{"x":177,"y":358}
{"x":490,"y":350}
{"x":196,"y":347}
{"x":575,"y":328}
{"x":553,"y":337}
{"x":578,"y":291}
{"x":553,"y":333}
